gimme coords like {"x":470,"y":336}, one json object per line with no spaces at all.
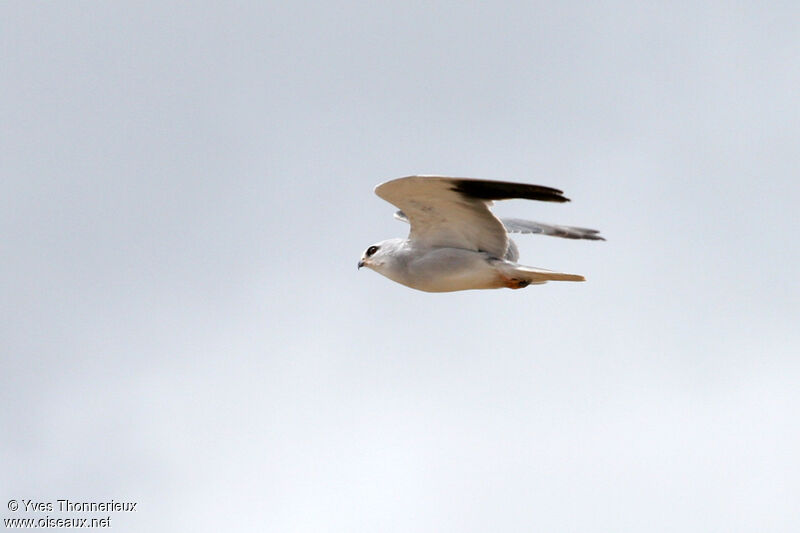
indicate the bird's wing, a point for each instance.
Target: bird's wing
{"x":454,"y":212}
{"x":517,"y":225}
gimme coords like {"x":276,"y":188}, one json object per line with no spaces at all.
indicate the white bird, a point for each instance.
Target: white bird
{"x":455,"y":242}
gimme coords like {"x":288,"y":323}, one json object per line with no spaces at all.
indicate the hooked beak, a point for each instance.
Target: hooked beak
{"x":361,"y":264}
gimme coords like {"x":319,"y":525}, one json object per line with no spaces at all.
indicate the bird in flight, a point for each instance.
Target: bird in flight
{"x":455,"y":242}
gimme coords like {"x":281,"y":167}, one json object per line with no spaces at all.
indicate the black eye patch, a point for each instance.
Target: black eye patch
{"x":371,"y":250}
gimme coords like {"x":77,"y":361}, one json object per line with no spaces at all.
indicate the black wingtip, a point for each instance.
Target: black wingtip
{"x":504,"y":190}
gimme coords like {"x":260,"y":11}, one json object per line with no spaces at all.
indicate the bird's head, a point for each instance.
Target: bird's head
{"x":378,"y":256}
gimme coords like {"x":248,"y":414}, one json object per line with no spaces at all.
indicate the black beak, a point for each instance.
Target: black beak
{"x":360,"y":264}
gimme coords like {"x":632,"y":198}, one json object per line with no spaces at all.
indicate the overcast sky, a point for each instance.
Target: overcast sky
{"x":185,"y":190}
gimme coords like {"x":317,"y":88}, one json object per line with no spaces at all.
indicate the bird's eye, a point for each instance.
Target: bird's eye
{"x":371,"y":250}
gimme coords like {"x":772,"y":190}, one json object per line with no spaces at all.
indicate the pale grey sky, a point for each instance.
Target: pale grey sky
{"x":187,"y":187}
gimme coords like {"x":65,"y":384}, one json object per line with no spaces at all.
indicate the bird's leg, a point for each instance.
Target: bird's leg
{"x":513,"y":283}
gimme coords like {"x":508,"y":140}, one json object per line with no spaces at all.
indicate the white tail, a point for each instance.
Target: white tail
{"x":536,"y":275}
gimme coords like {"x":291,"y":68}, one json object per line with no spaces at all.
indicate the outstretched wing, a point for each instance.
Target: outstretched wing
{"x":517,"y":225}
{"x":454,"y":212}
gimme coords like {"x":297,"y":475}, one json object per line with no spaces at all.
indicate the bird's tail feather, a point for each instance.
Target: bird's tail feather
{"x":536,"y":275}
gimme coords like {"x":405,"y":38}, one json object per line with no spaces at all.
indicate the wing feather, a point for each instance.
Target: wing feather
{"x":517,"y":225}
{"x":455,"y":212}
{"x":442,"y":216}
